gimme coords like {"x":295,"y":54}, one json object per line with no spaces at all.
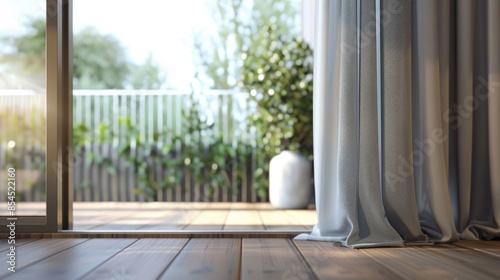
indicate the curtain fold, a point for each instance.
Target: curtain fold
{"x":406,"y":121}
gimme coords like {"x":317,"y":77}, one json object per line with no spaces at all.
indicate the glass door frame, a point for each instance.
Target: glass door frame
{"x":59,"y":126}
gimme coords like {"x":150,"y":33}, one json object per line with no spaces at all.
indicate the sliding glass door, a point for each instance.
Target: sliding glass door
{"x":34,"y":166}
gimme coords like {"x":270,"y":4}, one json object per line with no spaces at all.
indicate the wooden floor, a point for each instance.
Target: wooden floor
{"x":188,"y":258}
{"x":169,"y":216}
{"x":227,"y":258}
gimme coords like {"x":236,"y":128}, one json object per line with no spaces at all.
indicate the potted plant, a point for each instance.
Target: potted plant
{"x":280,"y":81}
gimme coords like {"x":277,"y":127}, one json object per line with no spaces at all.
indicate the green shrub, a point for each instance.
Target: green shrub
{"x":280,"y":82}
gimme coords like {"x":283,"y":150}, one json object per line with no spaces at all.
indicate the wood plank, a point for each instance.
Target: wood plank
{"x":76,"y":262}
{"x":4,"y":245}
{"x":102,"y":218}
{"x":263,"y":206}
{"x":238,"y":219}
{"x":488,"y":247}
{"x":206,"y":259}
{"x":330,"y":261}
{"x":208,"y":220}
{"x":38,"y":250}
{"x":422,"y":263}
{"x":307,"y":218}
{"x":145,"y":259}
{"x":172,"y":220}
{"x":272,"y":259}
{"x":133,"y":221}
{"x":466,"y":259}
{"x":279,"y":220}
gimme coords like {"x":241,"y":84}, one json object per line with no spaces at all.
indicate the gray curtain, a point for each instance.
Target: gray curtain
{"x":406,"y":121}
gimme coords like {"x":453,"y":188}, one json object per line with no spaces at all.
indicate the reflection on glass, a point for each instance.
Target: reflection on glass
{"x":22,"y":107}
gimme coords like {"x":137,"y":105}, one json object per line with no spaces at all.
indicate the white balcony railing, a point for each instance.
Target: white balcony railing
{"x":151,"y":113}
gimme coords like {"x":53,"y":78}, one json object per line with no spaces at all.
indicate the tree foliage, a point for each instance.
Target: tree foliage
{"x":27,"y":58}
{"x":240,"y":28}
{"x":99,"y":60}
{"x":147,"y":75}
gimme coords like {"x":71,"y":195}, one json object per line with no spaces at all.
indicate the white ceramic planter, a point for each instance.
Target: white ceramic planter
{"x":289,"y":180}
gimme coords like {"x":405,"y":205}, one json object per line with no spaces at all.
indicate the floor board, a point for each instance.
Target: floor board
{"x":74,"y":263}
{"x":329,"y":261}
{"x":423,"y":263}
{"x":279,"y":220}
{"x":39,"y":250}
{"x":238,"y":219}
{"x":464,"y":260}
{"x":132,"y":221}
{"x":4,"y":244}
{"x":98,"y":218}
{"x":488,"y":247}
{"x":203,"y":259}
{"x":303,"y":217}
{"x":208,"y":220}
{"x":145,"y":259}
{"x":272,"y":259}
{"x":171,"y":220}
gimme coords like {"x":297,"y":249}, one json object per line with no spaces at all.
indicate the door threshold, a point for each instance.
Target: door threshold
{"x":165,"y":234}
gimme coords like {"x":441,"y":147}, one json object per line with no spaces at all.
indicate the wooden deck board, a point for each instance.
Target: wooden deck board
{"x":464,"y":259}
{"x":38,"y":250}
{"x":74,"y":263}
{"x":208,"y":220}
{"x":240,"y":219}
{"x":132,"y":221}
{"x":488,"y":247}
{"x":206,"y":259}
{"x":422,"y":263}
{"x":4,"y":245}
{"x":145,"y":259}
{"x":98,"y":218}
{"x":171,"y":220}
{"x":274,"y":219}
{"x":272,"y":259}
{"x":329,"y":261}
{"x":307,"y":218}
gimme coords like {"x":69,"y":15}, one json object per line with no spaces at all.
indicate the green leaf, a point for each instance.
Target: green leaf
{"x":90,"y":158}
{"x":111,"y":169}
{"x":156,"y":136}
{"x":165,"y":150}
{"x":138,"y":191}
{"x":231,"y":152}
{"x":262,"y":193}
{"x":210,"y":191}
{"x":124,"y":150}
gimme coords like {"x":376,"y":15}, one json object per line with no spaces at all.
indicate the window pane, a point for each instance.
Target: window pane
{"x":22,"y":106}
{"x":158,"y":111}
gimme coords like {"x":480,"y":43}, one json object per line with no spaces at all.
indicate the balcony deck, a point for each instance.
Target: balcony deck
{"x":183,"y":216}
{"x":189,"y":216}
{"x":246,"y":257}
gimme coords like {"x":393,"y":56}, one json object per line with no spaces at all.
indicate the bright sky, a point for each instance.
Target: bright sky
{"x":163,"y":28}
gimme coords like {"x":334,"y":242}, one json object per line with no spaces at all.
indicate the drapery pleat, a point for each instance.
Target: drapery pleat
{"x":406,"y":121}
